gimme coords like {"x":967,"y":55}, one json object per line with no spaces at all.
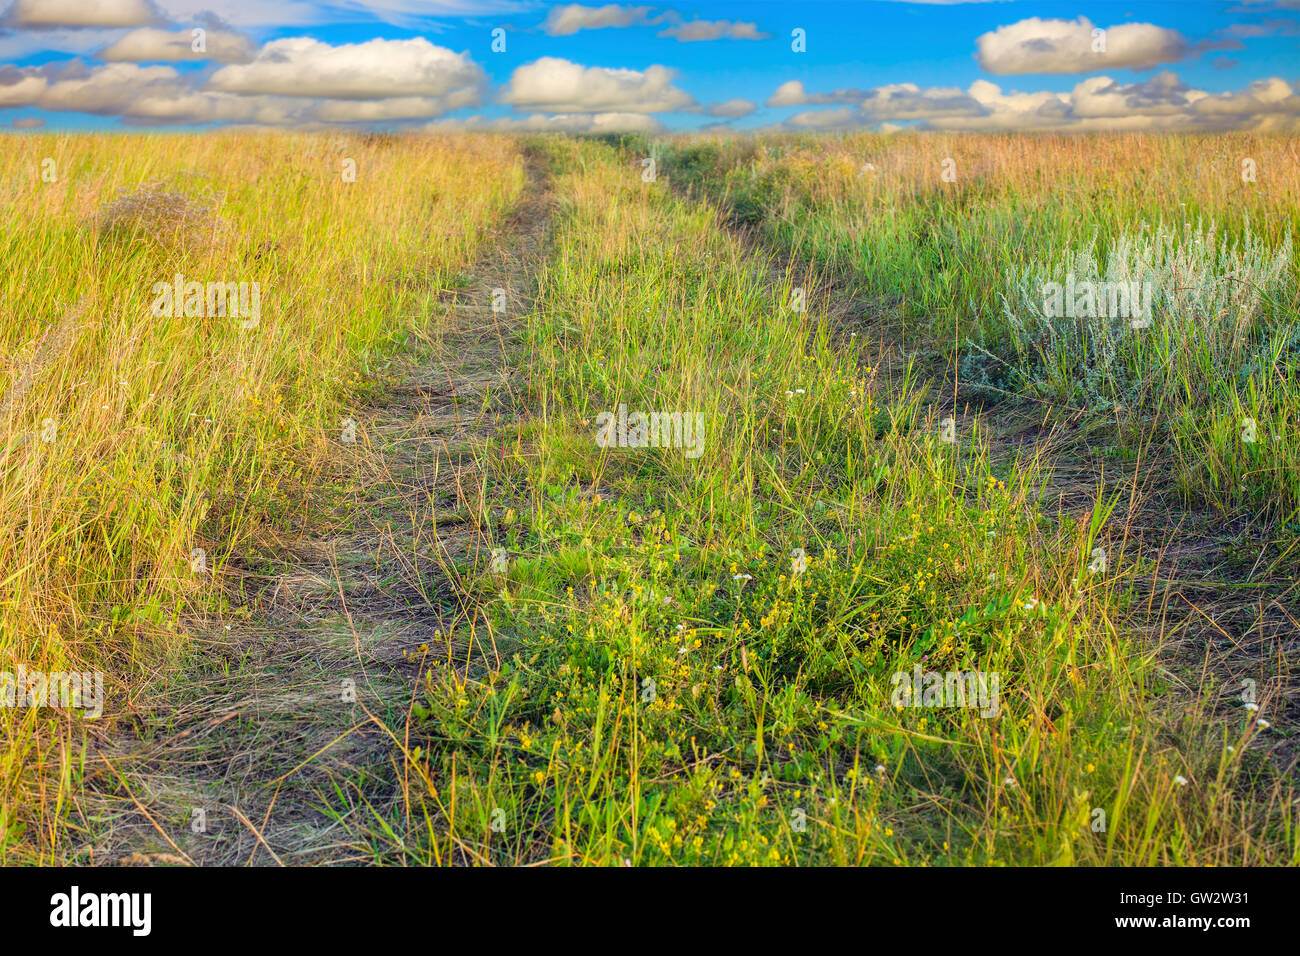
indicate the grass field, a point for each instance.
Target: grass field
{"x":877,"y":454}
{"x":176,"y":434}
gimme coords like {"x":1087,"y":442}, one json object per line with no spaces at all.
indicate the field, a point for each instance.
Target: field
{"x":396,"y":567}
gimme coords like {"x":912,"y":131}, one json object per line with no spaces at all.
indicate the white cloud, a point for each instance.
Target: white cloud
{"x":249,"y":13}
{"x":1162,"y":95}
{"x":110,"y":89}
{"x":83,"y":13}
{"x":197,"y":107}
{"x":892,"y":101}
{"x":74,"y":41}
{"x":563,"y":21}
{"x":1273,"y":95}
{"x":559,"y":86}
{"x":713,"y":30}
{"x":733,"y":109}
{"x":902,"y":101}
{"x":395,"y":108}
{"x":559,"y":123}
{"x":20,"y":86}
{"x":149,"y":43}
{"x":790,"y":93}
{"x":793,"y":93}
{"x":301,"y":66}
{"x":825,"y":119}
{"x":1162,"y":102}
{"x":1036,"y":45}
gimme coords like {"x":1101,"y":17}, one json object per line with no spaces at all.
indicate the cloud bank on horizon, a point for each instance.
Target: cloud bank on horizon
{"x":517,"y":65}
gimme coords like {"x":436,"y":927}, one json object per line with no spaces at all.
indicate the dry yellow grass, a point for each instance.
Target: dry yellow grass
{"x":128,"y":439}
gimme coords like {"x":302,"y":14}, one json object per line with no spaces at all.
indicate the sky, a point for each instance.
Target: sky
{"x":513,"y":65}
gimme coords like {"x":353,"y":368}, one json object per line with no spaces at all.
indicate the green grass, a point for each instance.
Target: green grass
{"x":689,"y":659}
{"x":966,"y":260}
{"x":654,"y":682}
{"x":171,"y":434}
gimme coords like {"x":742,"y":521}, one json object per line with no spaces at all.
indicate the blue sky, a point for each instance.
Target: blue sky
{"x":96,"y":64}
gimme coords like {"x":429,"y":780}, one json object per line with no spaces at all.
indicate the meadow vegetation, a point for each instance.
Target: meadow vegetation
{"x":128,"y":440}
{"x":691,"y":659}
{"x":1208,"y":221}
{"x":666,"y":658}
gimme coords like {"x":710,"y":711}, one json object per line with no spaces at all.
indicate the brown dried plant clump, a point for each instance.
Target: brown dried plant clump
{"x":166,"y":213}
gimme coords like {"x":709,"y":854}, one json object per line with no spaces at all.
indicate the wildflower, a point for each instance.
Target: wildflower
{"x":1180,"y":780}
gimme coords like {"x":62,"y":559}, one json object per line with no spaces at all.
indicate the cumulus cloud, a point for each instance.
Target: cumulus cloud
{"x":27,"y":122}
{"x":732,"y":109}
{"x":111,"y":89}
{"x":1036,"y":45}
{"x":394,"y":108}
{"x":150,"y":43}
{"x":793,"y":93}
{"x":256,"y":13}
{"x":713,"y":30}
{"x":555,"y":85}
{"x":1273,"y":95}
{"x":559,"y":123}
{"x":567,"y":20}
{"x":146,"y":95}
{"x":83,"y":13}
{"x":198,"y":107}
{"x":790,"y":93}
{"x":1162,"y":102}
{"x":825,"y":119}
{"x":302,"y":66}
{"x":21,"y":86}
{"x":903,"y":101}
{"x":1162,"y":95}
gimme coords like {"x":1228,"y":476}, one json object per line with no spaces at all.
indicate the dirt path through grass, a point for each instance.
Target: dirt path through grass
{"x":1211,"y":596}
{"x":281,"y":741}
